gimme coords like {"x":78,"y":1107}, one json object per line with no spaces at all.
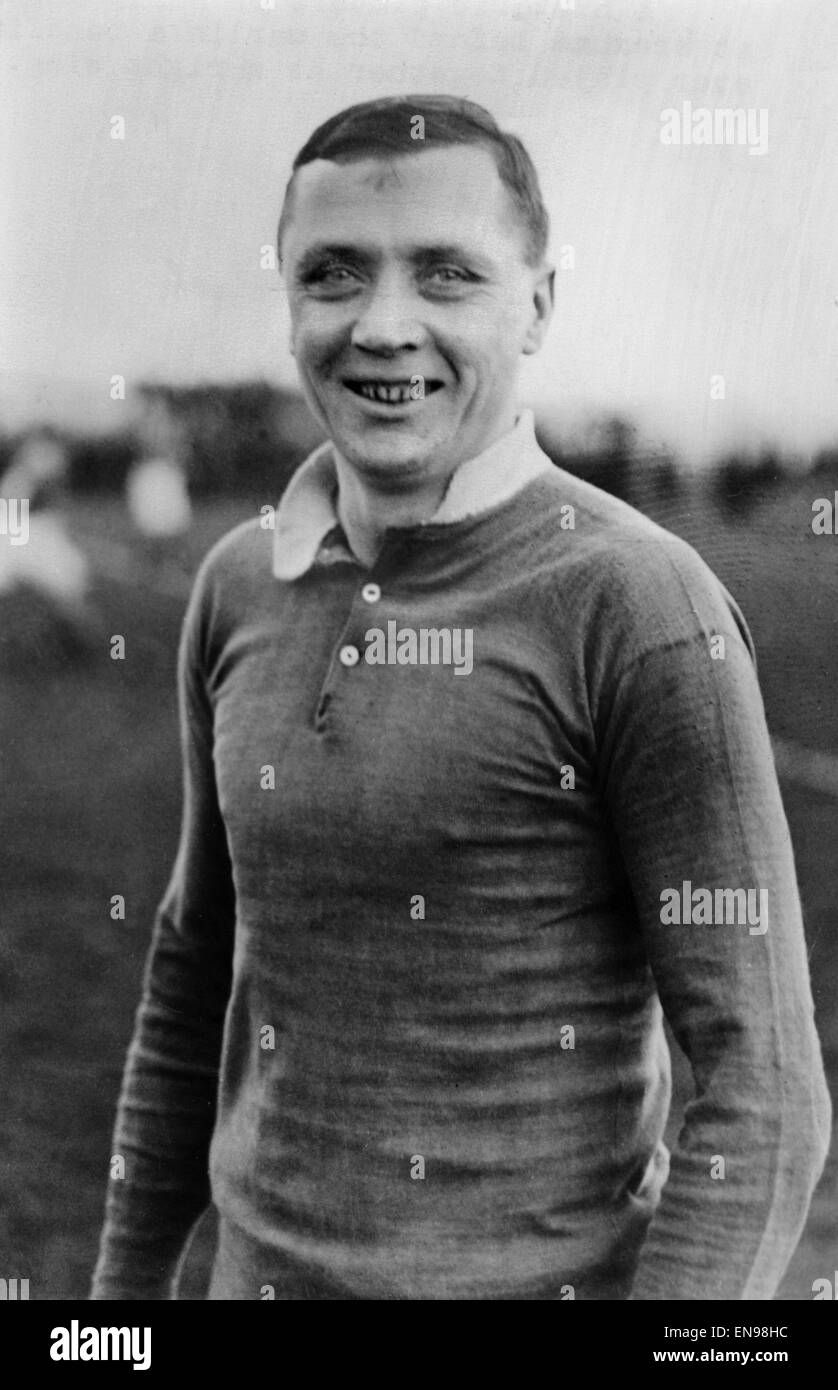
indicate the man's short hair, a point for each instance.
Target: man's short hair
{"x":387,"y":128}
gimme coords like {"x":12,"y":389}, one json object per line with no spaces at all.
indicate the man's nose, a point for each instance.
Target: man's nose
{"x":388,"y":322}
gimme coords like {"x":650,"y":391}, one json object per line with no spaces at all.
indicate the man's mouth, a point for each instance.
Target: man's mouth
{"x":393,"y":392}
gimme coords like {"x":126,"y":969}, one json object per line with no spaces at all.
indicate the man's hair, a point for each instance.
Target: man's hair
{"x":387,"y":128}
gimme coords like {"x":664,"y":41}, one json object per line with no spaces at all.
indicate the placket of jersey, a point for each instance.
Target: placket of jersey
{"x":348,"y":652}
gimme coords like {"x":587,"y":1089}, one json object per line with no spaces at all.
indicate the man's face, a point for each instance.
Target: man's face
{"x":411,"y":303}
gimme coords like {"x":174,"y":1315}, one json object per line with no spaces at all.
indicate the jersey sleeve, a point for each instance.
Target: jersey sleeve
{"x":689,"y":779}
{"x":166,"y":1109}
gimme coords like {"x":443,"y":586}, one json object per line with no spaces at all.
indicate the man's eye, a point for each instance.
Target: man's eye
{"x":450,"y":274}
{"x":330,"y":275}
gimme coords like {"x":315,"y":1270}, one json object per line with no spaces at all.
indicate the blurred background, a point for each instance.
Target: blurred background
{"x":148,"y":403}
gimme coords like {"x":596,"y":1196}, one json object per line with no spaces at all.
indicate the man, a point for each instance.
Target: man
{"x":458,"y":736}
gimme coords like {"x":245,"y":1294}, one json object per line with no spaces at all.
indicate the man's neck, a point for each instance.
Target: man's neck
{"x":366,"y":512}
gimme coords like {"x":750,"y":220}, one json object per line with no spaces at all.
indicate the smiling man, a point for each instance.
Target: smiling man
{"x":410,"y":320}
{"x":402,"y":1020}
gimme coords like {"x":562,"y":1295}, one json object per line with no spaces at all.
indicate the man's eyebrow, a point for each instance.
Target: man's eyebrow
{"x":420,"y":254}
{"x":448,"y":251}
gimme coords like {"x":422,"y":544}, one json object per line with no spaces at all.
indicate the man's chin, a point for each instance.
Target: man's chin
{"x":391,"y":454}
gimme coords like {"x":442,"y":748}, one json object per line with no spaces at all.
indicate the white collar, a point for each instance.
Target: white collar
{"x":308,"y":508}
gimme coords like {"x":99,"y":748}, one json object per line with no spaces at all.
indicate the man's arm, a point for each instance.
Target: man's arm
{"x":166,"y":1110}
{"x":690,"y":781}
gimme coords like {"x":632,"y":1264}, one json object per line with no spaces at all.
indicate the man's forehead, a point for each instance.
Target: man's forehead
{"x":455,"y":191}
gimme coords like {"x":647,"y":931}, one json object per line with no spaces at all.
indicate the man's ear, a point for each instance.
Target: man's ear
{"x":290,"y":326}
{"x":543,"y":293}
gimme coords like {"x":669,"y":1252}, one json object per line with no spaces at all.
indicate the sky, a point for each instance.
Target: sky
{"x":697,"y":288}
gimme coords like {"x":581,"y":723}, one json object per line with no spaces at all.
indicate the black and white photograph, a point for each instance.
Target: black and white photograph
{"x":418,"y":661}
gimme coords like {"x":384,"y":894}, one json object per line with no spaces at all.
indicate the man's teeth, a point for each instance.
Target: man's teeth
{"x":393,"y":395}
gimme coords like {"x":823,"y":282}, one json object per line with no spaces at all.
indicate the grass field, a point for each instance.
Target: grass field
{"x":91,"y":775}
